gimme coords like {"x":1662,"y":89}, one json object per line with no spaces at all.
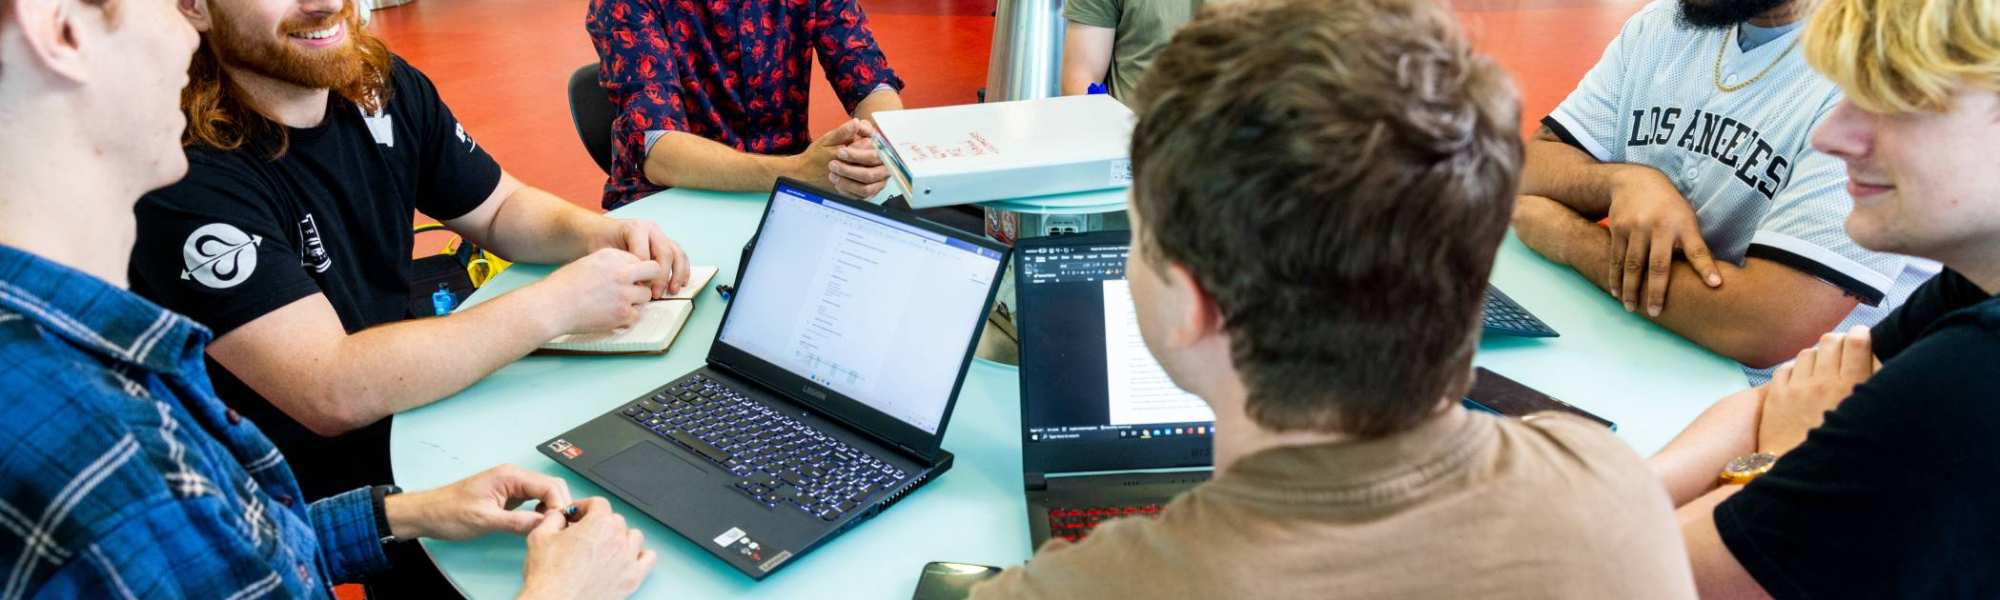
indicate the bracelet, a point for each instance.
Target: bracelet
{"x":379,"y":493}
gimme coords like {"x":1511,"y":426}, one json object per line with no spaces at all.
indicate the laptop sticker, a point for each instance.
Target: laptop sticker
{"x":780,"y":559}
{"x":729,"y":537}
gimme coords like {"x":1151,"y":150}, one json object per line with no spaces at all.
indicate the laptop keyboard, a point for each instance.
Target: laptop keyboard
{"x":779,"y":461}
{"x":1074,"y":523}
{"x":1505,"y":316}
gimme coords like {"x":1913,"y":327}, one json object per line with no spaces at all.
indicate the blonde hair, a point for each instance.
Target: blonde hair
{"x":1901,"y":56}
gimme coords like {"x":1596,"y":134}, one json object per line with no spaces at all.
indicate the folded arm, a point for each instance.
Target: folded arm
{"x":1763,"y":316}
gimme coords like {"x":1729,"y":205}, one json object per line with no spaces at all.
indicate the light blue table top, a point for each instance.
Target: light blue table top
{"x":1649,"y":381}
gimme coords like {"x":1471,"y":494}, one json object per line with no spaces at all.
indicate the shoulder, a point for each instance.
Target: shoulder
{"x":1577,"y":467}
{"x":1940,"y":390}
{"x":1656,"y":19}
{"x":217,"y":182}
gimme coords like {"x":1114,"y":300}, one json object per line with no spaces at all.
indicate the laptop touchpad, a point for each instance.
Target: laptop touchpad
{"x":649,"y":474}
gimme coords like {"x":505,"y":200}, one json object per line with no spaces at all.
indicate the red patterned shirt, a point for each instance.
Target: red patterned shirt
{"x":733,"y":71}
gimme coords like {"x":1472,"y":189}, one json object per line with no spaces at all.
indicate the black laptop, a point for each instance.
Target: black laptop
{"x":825,"y":394}
{"x":1104,"y":432}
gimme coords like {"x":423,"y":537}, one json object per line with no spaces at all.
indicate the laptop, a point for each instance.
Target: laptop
{"x":825,"y":395}
{"x":1104,"y":432}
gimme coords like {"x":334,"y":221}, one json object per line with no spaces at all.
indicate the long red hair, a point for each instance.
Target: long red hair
{"x":221,"y":116}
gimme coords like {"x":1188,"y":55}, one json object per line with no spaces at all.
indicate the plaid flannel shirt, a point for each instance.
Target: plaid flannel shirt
{"x":122,"y":475}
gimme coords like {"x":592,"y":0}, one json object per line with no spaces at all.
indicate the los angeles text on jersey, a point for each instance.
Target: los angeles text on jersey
{"x":1719,"y":137}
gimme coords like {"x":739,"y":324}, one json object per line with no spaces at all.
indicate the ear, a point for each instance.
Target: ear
{"x":53,"y":33}
{"x":1199,"y":315}
{"x":197,"y":14}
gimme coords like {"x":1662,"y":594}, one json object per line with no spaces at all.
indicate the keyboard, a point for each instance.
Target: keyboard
{"x":1074,"y":524}
{"x":1504,"y":316}
{"x":779,"y":462}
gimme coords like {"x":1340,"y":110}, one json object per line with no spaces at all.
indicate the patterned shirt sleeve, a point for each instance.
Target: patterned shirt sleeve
{"x":1590,"y":117}
{"x":854,"y":65}
{"x":347,"y":536}
{"x":639,"y":69}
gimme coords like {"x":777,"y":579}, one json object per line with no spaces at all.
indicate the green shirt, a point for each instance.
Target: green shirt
{"x":1143,"y":29}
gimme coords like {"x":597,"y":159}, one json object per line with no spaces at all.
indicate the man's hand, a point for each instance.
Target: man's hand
{"x":643,"y":238}
{"x":600,"y":292}
{"x":847,"y":159}
{"x":476,"y":505}
{"x":595,"y":557}
{"x":1803,"y":391}
{"x":1648,"y":219}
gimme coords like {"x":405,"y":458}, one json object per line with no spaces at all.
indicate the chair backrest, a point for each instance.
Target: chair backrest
{"x":592,"y":111}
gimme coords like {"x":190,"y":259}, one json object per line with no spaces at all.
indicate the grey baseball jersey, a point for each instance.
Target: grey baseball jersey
{"x":1744,"y":158}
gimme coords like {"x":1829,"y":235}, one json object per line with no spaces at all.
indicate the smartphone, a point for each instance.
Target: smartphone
{"x":1495,"y":393}
{"x":950,"y":580}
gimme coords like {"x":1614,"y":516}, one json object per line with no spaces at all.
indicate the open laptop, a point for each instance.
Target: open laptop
{"x":825,"y":394}
{"x":1104,"y":432}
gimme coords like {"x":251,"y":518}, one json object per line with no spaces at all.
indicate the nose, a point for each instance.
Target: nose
{"x":1847,"y":133}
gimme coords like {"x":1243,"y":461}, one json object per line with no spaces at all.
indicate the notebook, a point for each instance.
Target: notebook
{"x":659,"y":323}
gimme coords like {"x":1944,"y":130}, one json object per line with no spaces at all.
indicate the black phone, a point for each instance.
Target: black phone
{"x":950,"y":580}
{"x":1495,"y":393}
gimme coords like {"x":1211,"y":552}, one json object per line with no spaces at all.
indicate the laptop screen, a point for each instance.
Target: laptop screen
{"x":1086,"y":374}
{"x":878,"y":310}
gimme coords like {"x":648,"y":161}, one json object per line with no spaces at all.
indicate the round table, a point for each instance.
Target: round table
{"x":1617,"y":365}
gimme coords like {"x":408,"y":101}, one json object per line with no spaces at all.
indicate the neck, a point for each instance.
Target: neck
{"x":62,"y":201}
{"x":1782,"y":15}
{"x":288,"y":104}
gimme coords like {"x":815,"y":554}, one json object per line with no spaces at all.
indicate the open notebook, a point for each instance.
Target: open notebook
{"x":659,"y":323}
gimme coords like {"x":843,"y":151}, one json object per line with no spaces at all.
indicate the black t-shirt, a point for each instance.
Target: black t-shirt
{"x":1898,"y":494}
{"x":244,"y":235}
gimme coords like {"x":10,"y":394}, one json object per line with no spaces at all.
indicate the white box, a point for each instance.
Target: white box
{"x":1008,"y":150}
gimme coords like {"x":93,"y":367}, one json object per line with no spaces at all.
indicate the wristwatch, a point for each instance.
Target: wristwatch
{"x":382,"y":512}
{"x":1748,"y":467}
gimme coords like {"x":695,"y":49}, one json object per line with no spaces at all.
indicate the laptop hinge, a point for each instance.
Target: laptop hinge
{"x":1036,"y":482}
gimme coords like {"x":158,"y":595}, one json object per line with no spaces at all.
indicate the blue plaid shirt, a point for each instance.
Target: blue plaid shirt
{"x":122,"y":475}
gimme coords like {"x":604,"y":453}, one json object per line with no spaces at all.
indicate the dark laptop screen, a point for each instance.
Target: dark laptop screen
{"x":1086,"y":374}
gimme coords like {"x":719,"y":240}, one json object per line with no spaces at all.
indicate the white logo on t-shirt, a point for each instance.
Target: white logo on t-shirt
{"x":464,"y":138}
{"x":380,"y":126}
{"x":220,"y":256}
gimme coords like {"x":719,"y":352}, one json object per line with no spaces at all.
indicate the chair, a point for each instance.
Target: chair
{"x":590,"y":108}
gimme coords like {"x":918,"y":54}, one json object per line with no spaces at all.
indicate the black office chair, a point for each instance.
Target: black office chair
{"x":590,"y":108}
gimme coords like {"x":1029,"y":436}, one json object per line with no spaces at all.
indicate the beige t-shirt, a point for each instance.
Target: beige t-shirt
{"x":1143,"y":29}
{"x":1467,"y":505}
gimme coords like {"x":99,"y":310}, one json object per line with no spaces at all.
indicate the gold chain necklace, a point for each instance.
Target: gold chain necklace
{"x":1760,"y":74}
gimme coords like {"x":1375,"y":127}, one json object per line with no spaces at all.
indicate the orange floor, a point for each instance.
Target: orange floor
{"x":502,"y":64}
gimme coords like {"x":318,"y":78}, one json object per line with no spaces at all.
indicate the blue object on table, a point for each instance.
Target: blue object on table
{"x":1096,"y":88}
{"x":1610,"y":362}
{"x":443,"y":301}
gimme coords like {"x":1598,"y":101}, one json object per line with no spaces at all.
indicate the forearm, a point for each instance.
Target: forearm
{"x":1690,"y":465}
{"x":392,"y":368}
{"x":682,"y":159}
{"x":1559,"y":171}
{"x":534,"y":226}
{"x":1762,"y":316}
{"x":1717,"y":573}
{"x":881,"y":100}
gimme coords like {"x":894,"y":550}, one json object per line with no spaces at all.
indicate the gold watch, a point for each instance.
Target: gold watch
{"x":1745,"y":468}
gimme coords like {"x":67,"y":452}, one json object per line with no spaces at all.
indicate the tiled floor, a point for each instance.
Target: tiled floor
{"x":502,"y":64}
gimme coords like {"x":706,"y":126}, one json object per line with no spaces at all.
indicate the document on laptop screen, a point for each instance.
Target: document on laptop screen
{"x":1140,"y":391}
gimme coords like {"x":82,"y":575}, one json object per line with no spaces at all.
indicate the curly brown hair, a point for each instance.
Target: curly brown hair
{"x":1337,"y":175}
